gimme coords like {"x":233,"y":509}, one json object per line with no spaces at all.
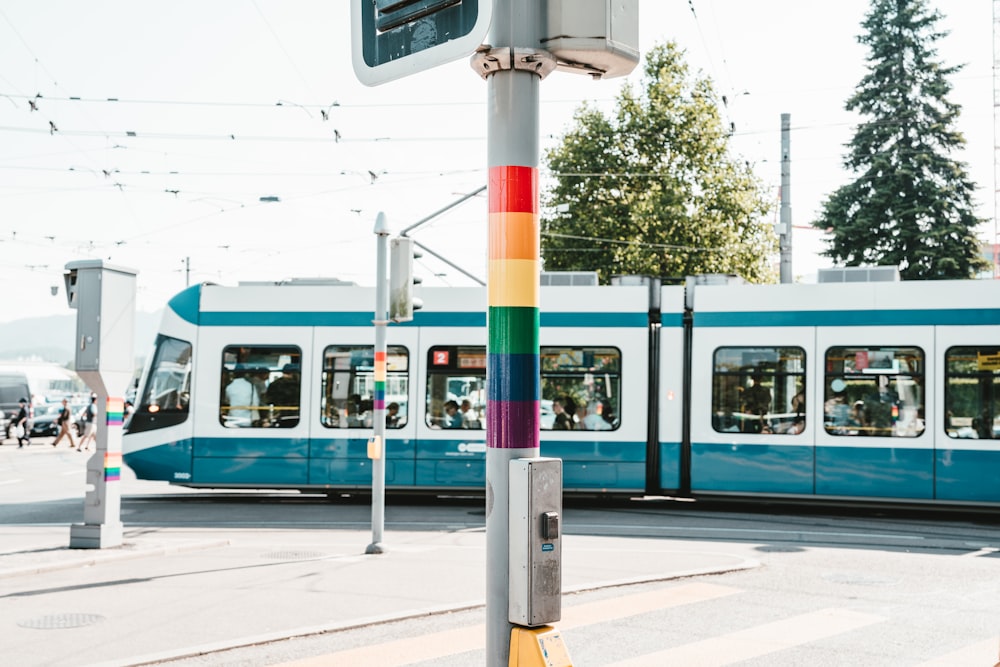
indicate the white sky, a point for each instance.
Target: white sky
{"x":198,"y":84}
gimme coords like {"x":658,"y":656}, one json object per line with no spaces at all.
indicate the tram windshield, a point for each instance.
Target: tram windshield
{"x":166,"y":396}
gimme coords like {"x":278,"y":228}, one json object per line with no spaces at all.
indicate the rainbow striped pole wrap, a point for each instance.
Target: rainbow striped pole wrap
{"x":512,"y":408}
{"x":113,"y":454}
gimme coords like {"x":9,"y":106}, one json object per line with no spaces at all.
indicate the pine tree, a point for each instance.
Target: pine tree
{"x":911,"y":204}
{"x":653,"y":190}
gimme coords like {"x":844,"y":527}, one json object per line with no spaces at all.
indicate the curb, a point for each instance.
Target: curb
{"x":309,"y":631}
{"x":86,"y":557}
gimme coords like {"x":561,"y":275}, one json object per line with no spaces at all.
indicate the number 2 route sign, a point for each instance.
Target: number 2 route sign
{"x":391,"y":39}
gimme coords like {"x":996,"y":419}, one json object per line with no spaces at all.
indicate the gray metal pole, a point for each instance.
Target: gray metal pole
{"x":376,"y":449}
{"x":786,"y":199}
{"x":512,"y":426}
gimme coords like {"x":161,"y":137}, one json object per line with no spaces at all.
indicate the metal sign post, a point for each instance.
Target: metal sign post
{"x":376,"y":446}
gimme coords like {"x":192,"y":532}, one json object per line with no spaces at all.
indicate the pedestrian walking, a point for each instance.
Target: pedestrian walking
{"x":22,"y":425}
{"x":65,"y":420}
{"x":89,"y":426}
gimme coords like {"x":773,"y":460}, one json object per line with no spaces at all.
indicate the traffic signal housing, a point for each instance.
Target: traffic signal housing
{"x":402,"y":303}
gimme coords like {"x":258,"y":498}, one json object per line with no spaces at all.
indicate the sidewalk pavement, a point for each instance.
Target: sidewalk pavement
{"x":168,"y":593}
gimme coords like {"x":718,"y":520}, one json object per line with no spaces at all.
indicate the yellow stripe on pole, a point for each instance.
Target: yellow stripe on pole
{"x":513,"y":283}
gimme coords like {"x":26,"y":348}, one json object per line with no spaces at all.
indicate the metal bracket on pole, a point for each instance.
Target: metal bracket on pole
{"x":488,"y":60}
{"x":449,"y":263}
{"x":405,"y":233}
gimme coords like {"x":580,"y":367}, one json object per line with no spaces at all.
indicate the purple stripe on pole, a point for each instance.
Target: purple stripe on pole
{"x":512,"y":424}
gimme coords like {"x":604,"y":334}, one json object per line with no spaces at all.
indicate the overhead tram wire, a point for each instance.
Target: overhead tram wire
{"x":270,"y":105}
{"x":282,"y":46}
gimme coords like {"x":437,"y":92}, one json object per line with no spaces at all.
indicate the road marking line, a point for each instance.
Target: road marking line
{"x":981,"y":653}
{"x":640,"y":603}
{"x":472,"y":638}
{"x":984,"y":551}
{"x":757,"y":641}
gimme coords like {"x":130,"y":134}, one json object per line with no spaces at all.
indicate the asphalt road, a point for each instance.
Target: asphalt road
{"x":833,"y":587}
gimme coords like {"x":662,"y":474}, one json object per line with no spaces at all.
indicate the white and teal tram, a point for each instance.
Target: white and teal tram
{"x":885,"y":392}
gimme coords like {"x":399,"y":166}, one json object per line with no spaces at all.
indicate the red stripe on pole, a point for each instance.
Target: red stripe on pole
{"x":513,"y":189}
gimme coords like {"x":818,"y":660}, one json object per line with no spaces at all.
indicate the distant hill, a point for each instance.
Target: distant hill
{"x":52,"y":338}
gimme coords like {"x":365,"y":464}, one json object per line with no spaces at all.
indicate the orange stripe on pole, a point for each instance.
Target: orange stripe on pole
{"x":513,"y":236}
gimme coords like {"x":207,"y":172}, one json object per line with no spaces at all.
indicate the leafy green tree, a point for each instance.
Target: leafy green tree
{"x":653,"y":190}
{"x":911,"y":204}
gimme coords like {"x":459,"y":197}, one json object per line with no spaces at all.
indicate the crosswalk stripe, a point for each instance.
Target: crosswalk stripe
{"x":758,"y":640}
{"x":640,"y":603}
{"x":402,"y":651}
{"x":981,"y":653}
{"x":459,"y":640}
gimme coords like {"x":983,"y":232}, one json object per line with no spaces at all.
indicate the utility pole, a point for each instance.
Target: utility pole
{"x":785,"y":225}
{"x":376,"y":446}
{"x":513,"y":386}
{"x":996,"y":138}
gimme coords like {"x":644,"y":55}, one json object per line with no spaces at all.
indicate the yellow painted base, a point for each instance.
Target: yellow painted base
{"x":538,"y":647}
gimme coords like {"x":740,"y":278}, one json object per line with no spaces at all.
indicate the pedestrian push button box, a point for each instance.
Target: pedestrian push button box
{"x":535,"y":558}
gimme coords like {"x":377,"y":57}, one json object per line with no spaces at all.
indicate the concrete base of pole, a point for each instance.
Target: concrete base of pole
{"x":95,"y":536}
{"x":375,"y":548}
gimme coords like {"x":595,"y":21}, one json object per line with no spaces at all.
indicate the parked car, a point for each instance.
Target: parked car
{"x":46,"y":420}
{"x":45,"y":424}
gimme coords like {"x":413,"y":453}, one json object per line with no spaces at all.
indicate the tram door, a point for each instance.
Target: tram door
{"x":966,"y":432}
{"x":668,"y":462}
{"x":344,"y":403}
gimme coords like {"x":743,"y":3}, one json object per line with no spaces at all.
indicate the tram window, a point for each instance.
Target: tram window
{"x":582,"y":383}
{"x":759,"y":390}
{"x":456,"y":387}
{"x":972,"y":392}
{"x":348,"y":386}
{"x":874,"y":391}
{"x":165,"y":398}
{"x":261,"y":386}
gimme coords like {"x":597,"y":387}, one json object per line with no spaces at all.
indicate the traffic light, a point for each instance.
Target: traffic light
{"x":402,"y":303}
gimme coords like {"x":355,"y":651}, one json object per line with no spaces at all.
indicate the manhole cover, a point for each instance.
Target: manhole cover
{"x":61,"y":621}
{"x":294,"y":555}
{"x":779,"y":549}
